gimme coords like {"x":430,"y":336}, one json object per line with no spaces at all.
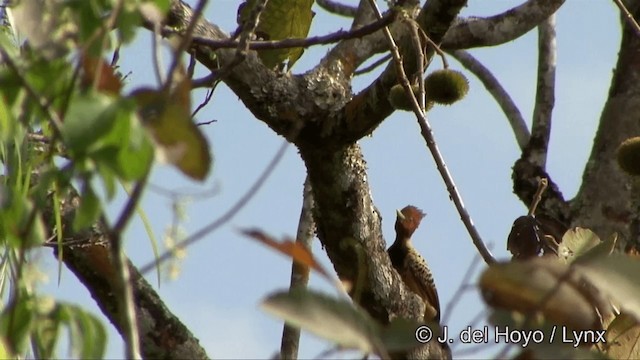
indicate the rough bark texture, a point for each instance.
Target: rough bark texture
{"x":609,"y":199}
{"x":88,"y":256}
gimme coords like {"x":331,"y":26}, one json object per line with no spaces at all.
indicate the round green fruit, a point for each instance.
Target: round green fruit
{"x":399,"y":99}
{"x":629,"y":155}
{"x":446,"y":86}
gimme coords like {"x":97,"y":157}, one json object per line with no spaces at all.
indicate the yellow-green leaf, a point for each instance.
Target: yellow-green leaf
{"x":166,"y":115}
{"x":281,"y":19}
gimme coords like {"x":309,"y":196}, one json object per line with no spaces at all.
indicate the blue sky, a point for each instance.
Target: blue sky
{"x":225,"y":275}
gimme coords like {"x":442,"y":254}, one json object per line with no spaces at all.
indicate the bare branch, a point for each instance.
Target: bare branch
{"x":502,"y":97}
{"x":545,"y":94}
{"x":499,"y":29}
{"x":373,"y":66}
{"x":299,"y":271}
{"x":337,"y":8}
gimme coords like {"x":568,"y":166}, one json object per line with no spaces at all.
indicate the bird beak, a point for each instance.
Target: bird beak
{"x":400,"y":215}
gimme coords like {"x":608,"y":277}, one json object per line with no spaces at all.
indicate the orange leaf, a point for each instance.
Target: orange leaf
{"x":95,"y":69}
{"x":292,"y":249}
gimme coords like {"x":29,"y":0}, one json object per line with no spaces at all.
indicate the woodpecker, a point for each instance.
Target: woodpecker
{"x":412,"y":267}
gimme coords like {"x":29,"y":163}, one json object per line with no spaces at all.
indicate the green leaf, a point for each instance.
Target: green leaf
{"x":604,"y":248}
{"x":336,"y":320}
{"x":400,"y":334}
{"x":7,"y":123}
{"x":623,"y":335}
{"x":163,"y":5}
{"x":90,"y":117}
{"x":87,"y":333}
{"x":46,"y":25}
{"x":128,"y":21}
{"x":89,"y":209}
{"x":15,"y":323}
{"x":616,"y":276}
{"x":108,"y":180}
{"x":281,"y":19}
{"x":16,"y":213}
{"x":576,"y":242}
{"x":46,"y":329}
{"x":167,"y":118}
{"x":125,"y":149}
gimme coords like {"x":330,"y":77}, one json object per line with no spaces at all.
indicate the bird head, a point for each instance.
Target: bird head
{"x":408,"y":219}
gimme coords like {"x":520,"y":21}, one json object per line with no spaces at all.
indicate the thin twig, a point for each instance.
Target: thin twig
{"x":427,"y":134}
{"x":130,"y":206}
{"x":373,"y":66}
{"x":155,"y":52}
{"x":464,"y":286}
{"x":628,"y":16}
{"x":246,"y":30}
{"x":299,"y":42}
{"x":251,"y":24}
{"x":129,"y":322}
{"x":502,"y":97}
{"x":207,"y":99}
{"x":176,"y":193}
{"x":299,"y":271}
{"x":337,"y":8}
{"x":435,"y":46}
{"x":204,"y":123}
{"x":542,"y":186}
{"x":207,"y":229}
{"x":420,"y":63}
{"x":124,"y":294}
{"x":184,"y":43}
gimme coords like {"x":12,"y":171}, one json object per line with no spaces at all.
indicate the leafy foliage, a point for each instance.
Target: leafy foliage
{"x":63,"y":124}
{"x":281,"y":19}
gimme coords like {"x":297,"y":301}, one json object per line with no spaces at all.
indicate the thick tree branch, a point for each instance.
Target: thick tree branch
{"x":465,"y":33}
{"x":88,"y":255}
{"x":609,"y":199}
{"x":499,"y":29}
{"x":502,"y":97}
{"x":537,"y":148}
{"x":349,"y":227}
{"x":531,"y":165}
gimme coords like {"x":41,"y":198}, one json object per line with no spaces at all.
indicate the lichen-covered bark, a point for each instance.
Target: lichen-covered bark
{"x":499,"y":29}
{"x":609,"y":199}
{"x":349,"y":227}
